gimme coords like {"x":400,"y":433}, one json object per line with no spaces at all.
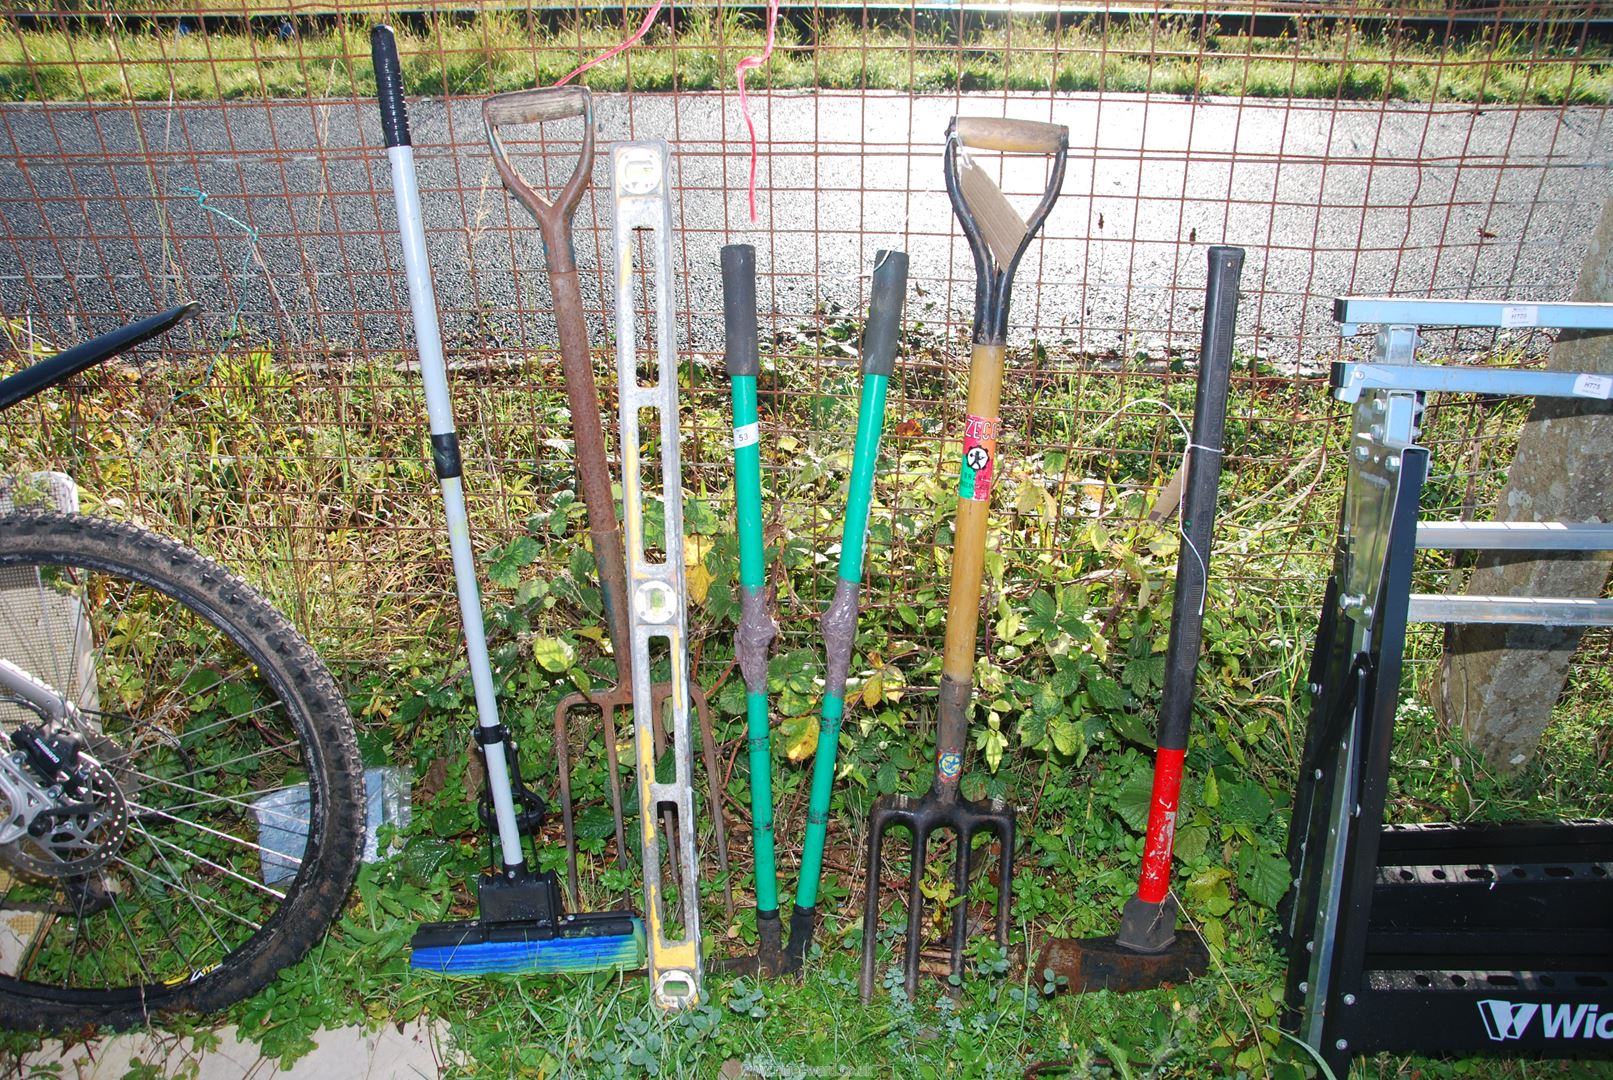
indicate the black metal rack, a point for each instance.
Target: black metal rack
{"x":1434,"y":938}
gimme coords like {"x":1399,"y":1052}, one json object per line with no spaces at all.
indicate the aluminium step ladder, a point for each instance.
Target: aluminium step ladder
{"x":1434,"y":938}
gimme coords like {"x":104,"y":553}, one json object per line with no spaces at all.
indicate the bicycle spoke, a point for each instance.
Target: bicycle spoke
{"x":239,"y":800}
{"x":72,"y":949}
{"x":166,"y":813}
{"x":256,"y":755}
{"x":167,"y":932}
{"x":182,"y":703}
{"x":195,"y":900}
{"x":232,"y":719}
{"x":152,"y":875}
{"x":80,"y":685}
{"x":123,"y":924}
{"x":209,"y":863}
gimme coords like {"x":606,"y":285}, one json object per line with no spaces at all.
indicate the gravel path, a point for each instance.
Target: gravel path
{"x":1328,"y":199}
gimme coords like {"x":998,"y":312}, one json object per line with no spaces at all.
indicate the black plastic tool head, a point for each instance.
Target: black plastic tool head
{"x":923,"y":818}
{"x":770,"y":959}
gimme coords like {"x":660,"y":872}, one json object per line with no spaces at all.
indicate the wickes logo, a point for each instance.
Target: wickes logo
{"x":1505,"y":1020}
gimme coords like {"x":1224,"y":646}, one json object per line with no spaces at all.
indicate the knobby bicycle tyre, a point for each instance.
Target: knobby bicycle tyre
{"x":220,"y":739}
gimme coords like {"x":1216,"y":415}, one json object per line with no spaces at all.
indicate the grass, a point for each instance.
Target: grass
{"x":314,"y":480}
{"x":499,"y":49}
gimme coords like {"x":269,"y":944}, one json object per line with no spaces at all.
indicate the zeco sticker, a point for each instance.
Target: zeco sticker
{"x":979,"y":457}
{"x":949,"y":765}
{"x":747,"y":435}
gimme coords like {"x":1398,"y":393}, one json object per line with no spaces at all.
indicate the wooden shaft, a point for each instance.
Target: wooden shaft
{"x":963,"y":606}
{"x":969,"y":533}
{"x":977,"y":470}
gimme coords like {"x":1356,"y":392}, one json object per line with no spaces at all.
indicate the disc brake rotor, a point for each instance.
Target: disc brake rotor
{"x":74,"y":837}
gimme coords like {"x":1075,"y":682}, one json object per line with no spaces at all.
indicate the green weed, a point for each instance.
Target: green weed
{"x":313,"y":477}
{"x":125,"y":57}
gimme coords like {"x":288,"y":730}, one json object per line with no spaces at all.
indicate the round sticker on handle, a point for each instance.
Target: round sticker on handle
{"x":949,"y":765}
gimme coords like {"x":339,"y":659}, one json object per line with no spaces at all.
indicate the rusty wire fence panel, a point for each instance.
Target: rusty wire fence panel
{"x":1423,"y":152}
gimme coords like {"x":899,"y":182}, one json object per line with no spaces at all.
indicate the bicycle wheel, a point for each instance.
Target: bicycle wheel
{"x":182,"y":797}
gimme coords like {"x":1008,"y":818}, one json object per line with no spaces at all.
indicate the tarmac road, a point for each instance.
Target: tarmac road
{"x":1329,"y":199}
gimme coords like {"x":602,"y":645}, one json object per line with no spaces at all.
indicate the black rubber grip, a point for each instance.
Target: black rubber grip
{"x":803,"y":923}
{"x":445,"y":456}
{"x":884,"y":329}
{"x":739,"y":310}
{"x":769,"y":943}
{"x":389,"y":86}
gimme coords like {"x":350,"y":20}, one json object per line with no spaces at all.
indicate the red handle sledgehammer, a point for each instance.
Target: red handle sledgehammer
{"x":1148,"y":952}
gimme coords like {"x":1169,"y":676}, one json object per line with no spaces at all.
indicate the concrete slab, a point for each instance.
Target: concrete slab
{"x":349,"y":1053}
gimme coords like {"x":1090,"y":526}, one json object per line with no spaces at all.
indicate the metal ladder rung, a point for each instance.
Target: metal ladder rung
{"x":1350,"y":380}
{"x":1535,"y":611}
{"x":1515,"y":536}
{"x":1515,"y":314}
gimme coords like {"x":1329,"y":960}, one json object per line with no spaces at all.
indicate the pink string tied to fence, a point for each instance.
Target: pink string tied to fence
{"x":745,"y":66}
{"x":643,"y":28}
{"x":748,"y":64}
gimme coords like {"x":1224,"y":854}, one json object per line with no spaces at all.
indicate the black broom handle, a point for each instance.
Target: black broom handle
{"x":1202,"y":486}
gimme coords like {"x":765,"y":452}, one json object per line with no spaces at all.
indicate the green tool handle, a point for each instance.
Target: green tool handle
{"x":840,"y":628}
{"x":740,"y":356}
{"x":748,"y":496}
{"x":761,"y":770}
{"x":756,"y":632}
{"x":840,"y":621}
{"x":756,"y":627}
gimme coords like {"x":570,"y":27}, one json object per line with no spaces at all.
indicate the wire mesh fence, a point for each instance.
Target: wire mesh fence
{"x":232,"y":153}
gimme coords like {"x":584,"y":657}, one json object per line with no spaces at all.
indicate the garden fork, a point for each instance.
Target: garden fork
{"x":998,"y":238}
{"x":554,"y":216}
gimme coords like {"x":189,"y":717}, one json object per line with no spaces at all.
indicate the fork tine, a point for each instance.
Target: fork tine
{"x":562,"y":753}
{"x":915,"y":906}
{"x":876,"y":835}
{"x":659,"y":693}
{"x":960,"y":888}
{"x":1005,"y":877}
{"x":714,"y":786}
{"x":926,"y":817}
{"x":607,"y":702}
{"x":608,"y":717}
